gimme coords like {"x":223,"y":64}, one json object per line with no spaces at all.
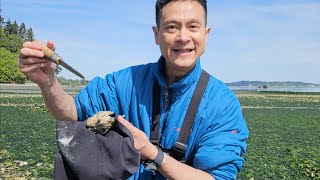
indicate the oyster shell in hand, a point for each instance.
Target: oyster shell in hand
{"x":101,"y":122}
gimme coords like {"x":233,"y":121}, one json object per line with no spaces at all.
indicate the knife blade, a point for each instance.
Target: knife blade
{"x":54,"y":57}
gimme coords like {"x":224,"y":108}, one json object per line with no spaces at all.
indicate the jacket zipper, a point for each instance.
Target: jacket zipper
{"x":166,"y":99}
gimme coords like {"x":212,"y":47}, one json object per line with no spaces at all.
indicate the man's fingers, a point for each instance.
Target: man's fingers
{"x":38,"y":45}
{"x":30,"y":61}
{"x":27,"y":52}
{"x":33,"y":45}
{"x":29,"y":68}
{"x":50,"y":44}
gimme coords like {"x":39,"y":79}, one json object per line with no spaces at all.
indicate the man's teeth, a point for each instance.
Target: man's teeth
{"x":183,"y":50}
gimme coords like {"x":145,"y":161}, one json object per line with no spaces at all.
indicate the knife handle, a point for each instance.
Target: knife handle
{"x":51,"y":55}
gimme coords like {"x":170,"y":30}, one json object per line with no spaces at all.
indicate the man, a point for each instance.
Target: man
{"x":219,"y":133}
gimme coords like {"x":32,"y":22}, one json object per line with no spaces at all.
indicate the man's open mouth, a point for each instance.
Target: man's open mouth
{"x":182,"y":50}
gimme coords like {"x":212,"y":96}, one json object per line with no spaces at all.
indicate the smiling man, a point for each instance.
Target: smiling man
{"x":159,"y":100}
{"x":182,"y":35}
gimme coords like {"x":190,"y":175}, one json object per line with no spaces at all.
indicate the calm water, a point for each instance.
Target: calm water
{"x":276,"y":88}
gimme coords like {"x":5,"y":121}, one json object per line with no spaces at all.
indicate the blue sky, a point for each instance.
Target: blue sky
{"x":274,"y":40}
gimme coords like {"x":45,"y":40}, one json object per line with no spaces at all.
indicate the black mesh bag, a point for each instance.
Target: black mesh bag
{"x":84,"y":154}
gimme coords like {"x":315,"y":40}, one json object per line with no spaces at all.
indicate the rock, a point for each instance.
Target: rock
{"x":21,"y":163}
{"x":39,"y":164}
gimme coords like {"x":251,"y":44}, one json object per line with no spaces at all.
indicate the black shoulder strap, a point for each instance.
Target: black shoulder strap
{"x":193,"y":108}
{"x":154,"y":137}
{"x":180,"y":146}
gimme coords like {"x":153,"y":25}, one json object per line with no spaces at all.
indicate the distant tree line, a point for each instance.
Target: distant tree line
{"x":273,"y":83}
{"x":69,"y":82}
{"x":12,"y":35}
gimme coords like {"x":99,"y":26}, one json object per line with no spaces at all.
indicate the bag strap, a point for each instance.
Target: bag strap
{"x":154,"y":137}
{"x":179,"y":148}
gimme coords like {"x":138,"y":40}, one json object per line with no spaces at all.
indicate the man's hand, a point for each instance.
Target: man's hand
{"x":170,"y":168}
{"x":34,"y":66}
{"x":42,"y":72}
{"x":141,"y":141}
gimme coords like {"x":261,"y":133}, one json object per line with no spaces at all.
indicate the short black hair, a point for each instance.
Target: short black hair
{"x":161,"y":3}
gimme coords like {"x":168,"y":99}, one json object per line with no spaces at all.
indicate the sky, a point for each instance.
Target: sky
{"x":274,"y":40}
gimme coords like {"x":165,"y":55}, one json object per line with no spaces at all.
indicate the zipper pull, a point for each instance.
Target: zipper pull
{"x":166,"y":97}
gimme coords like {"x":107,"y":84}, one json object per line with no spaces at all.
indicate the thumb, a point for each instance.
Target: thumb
{"x":50,"y":44}
{"x":126,"y":123}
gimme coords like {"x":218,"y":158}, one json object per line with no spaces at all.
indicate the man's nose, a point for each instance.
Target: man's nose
{"x":183,"y":35}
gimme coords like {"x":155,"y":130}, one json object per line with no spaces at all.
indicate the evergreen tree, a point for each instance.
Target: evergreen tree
{"x":58,"y":69}
{"x":3,"y":38}
{"x":15,"y":28}
{"x":22,"y":31}
{"x":30,"y":36}
{"x":8,"y":28}
{"x":11,"y":38}
{"x":9,"y":70}
{"x":14,"y":43}
{"x":1,"y":21}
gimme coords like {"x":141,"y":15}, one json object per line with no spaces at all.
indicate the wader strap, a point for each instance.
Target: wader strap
{"x":154,"y":137}
{"x":179,"y":148}
{"x":185,"y":130}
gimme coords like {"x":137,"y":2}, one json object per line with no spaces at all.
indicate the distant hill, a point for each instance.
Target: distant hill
{"x":274,"y":83}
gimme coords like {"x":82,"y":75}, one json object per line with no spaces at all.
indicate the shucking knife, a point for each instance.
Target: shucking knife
{"x":54,"y":57}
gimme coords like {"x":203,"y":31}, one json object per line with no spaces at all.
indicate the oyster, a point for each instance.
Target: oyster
{"x":101,"y":122}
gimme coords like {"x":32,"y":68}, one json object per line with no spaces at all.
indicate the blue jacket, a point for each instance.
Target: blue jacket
{"x":219,"y":133}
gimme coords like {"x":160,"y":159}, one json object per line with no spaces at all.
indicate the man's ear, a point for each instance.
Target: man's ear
{"x":207,"y":33}
{"x":156,"y":34}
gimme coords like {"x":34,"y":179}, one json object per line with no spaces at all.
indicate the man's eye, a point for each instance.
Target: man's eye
{"x":194,"y":27}
{"x":171,"y":27}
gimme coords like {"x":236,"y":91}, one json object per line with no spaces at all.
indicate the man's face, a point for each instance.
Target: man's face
{"x":182,"y":35}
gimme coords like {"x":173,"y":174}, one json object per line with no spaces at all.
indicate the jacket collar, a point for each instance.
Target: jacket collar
{"x":181,"y":86}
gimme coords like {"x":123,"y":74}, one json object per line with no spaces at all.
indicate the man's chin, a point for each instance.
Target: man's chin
{"x":184,"y":63}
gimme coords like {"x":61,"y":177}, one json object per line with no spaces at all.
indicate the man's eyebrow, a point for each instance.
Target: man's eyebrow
{"x":191,"y":20}
{"x":171,"y":21}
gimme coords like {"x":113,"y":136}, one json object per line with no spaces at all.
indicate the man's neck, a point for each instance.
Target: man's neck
{"x":174,"y":74}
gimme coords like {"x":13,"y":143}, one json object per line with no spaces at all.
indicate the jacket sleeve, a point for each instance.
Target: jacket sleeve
{"x":223,"y":143}
{"x":98,"y":95}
